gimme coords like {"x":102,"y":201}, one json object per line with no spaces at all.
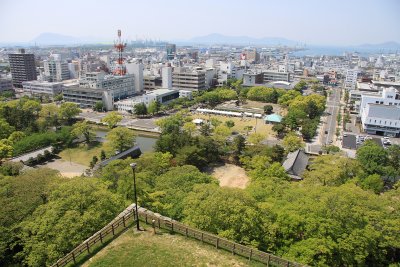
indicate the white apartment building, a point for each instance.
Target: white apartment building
{"x":381,"y":119}
{"x":351,"y":79}
{"x":136,"y":69}
{"x":164,"y":96}
{"x":388,"y":97}
{"x":166,"y":76}
{"x":56,"y":71}
{"x":228,"y":70}
{"x":38,"y":88}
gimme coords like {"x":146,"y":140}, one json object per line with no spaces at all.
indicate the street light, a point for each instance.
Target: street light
{"x":133,"y":166}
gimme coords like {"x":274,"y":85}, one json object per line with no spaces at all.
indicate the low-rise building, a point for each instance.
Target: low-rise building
{"x":273,"y":76}
{"x":38,"y":88}
{"x":96,"y":86}
{"x":381,"y":119}
{"x":5,"y":85}
{"x":164,"y":96}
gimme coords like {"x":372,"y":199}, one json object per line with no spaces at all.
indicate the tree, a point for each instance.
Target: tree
{"x":372,"y":157}
{"x":20,"y":196}
{"x":16,"y":136}
{"x":140,"y":109}
{"x":256,"y":138}
{"x":308,"y":129}
{"x":394,"y":157}
{"x":76,"y":210}
{"x":205,"y":129}
{"x":189,"y":127}
{"x":229,"y":123}
{"x":228,"y":212}
{"x":215,"y":122}
{"x":102,"y":155}
{"x":50,"y":115}
{"x":84,"y":129}
{"x":300,"y":86}
{"x":112,"y":119}
{"x":10,"y":168}
{"x":154,"y":107}
{"x":68,"y":111}
{"x":239,"y":143}
{"x":373,"y":182}
{"x":221,"y":132}
{"x":268,"y":109}
{"x":277,"y":153}
{"x":93,"y":162}
{"x":5,"y":129}
{"x":192,"y":155}
{"x":6,"y":149}
{"x":121,"y":139}
{"x":279,"y":128}
{"x":292,"y":142}
{"x":58,"y":97}
{"x":99,"y":106}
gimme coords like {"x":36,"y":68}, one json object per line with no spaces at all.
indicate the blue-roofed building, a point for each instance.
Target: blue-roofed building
{"x":273,"y":119}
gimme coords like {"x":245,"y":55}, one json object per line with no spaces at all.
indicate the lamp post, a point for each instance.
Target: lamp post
{"x":133,"y":166}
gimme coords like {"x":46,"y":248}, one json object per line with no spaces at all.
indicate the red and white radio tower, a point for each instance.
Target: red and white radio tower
{"x":120,"y":46}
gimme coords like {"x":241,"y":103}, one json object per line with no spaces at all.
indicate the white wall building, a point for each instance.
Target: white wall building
{"x":388,"y":96}
{"x":166,"y":76}
{"x":38,"y":88}
{"x":381,"y":119}
{"x":55,"y":70}
{"x":136,"y":69}
{"x":351,"y":79}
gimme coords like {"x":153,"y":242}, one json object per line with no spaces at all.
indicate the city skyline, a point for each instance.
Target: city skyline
{"x":310,"y":22}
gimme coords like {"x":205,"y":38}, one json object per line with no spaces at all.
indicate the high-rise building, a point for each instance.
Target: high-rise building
{"x":171,"y":51}
{"x":166,"y":74}
{"x":136,"y":69}
{"x":188,"y":79}
{"x":22,"y":68}
{"x":56,"y":70}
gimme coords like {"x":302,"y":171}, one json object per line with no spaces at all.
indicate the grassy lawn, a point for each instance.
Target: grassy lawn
{"x":82,"y":154}
{"x":147,"y":249}
{"x":240,"y":123}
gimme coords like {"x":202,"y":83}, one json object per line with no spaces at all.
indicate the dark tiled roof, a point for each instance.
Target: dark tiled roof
{"x":296,"y":162}
{"x":133,"y":152}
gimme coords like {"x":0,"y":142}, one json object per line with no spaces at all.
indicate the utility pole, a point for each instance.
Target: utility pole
{"x":133,"y":166}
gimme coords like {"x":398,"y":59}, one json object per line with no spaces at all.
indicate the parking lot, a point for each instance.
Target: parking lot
{"x":353,"y":141}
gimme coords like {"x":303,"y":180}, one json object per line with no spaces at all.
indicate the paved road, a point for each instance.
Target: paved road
{"x":332,"y":108}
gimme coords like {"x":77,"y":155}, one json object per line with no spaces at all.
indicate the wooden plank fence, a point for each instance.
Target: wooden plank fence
{"x":128,"y":216}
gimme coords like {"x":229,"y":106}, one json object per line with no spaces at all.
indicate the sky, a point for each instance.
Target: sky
{"x":318,"y":22}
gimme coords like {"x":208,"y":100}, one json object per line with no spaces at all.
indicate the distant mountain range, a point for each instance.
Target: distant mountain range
{"x":48,"y":39}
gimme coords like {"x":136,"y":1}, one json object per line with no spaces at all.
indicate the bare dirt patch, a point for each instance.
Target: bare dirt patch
{"x":66,"y":168}
{"x":230,"y":175}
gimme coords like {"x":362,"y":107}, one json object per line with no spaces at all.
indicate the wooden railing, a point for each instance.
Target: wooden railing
{"x":122,"y":222}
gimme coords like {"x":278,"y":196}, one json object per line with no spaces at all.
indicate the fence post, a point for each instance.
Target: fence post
{"x":123,"y":220}
{"x":186,"y":231}
{"x":202,"y":238}
{"x":216,"y":243}
{"x":251,"y":254}
{"x":172,"y":226}
{"x":146,"y":218}
{"x":288,"y":264}
{"x":87,"y":247}
{"x":73,"y":257}
{"x":101,"y":238}
{"x":269,"y":257}
{"x":159,"y":224}
{"x":233,"y":249}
